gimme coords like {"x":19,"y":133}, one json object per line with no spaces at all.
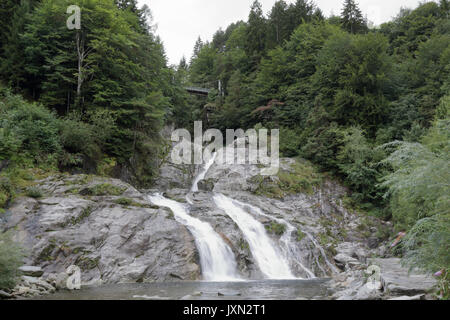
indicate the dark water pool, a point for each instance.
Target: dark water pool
{"x":199,"y":290}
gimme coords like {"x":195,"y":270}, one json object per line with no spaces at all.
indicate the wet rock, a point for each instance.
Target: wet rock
{"x":229,"y":293}
{"x":174,"y":176}
{"x":367,"y":293}
{"x":352,"y":249}
{"x":58,"y":280}
{"x":373,"y":242}
{"x":23,"y":291}
{"x":408,"y":298}
{"x":5,"y":295}
{"x":344,"y":261}
{"x":145,"y":297}
{"x":108,"y":240}
{"x":38,"y":283}
{"x":206,"y":185}
{"x":398,"y":281}
{"x":31,"y":271}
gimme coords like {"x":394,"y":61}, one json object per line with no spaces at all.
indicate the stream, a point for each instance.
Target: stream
{"x":220,"y":274}
{"x":201,"y":290}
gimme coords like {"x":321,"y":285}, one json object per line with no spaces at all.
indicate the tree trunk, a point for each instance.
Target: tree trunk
{"x":81,"y":54}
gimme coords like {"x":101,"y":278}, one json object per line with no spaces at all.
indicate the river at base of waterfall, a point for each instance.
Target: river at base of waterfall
{"x":202,"y":290}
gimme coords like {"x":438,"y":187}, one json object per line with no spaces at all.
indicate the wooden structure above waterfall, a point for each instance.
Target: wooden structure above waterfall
{"x":200,"y":91}
{"x":205,"y":88}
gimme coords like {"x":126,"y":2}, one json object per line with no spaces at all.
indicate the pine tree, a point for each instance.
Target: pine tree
{"x":277,"y":22}
{"x":256,"y":32}
{"x":197,"y":47}
{"x":13,"y":18}
{"x":352,"y":18}
{"x":445,"y":8}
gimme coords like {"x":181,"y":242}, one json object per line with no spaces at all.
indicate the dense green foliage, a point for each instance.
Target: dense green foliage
{"x":359,"y":102}
{"x":368,"y":105}
{"x":11,"y":256}
{"x":107,"y":84}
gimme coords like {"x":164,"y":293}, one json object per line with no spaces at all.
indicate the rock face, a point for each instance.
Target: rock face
{"x":31,"y":271}
{"x":112,"y":238}
{"x":398,"y":281}
{"x":114,"y":234}
{"x":318,"y":219}
{"x":320,"y":226}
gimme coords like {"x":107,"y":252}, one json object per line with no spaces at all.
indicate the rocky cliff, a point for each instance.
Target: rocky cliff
{"x":115,"y":234}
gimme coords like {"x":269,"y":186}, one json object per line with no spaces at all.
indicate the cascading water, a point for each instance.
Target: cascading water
{"x":216,"y":258}
{"x":290,"y":249}
{"x":271,"y":264}
{"x":203,"y":173}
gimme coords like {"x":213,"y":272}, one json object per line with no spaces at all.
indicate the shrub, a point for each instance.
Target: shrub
{"x":6,"y":191}
{"x":418,"y":190}
{"x":301,"y":177}
{"x":34,"y":192}
{"x":124,"y":202}
{"x":289,"y":142}
{"x":11,"y":255}
{"x":276,"y":228}
{"x":104,"y":189}
{"x":300,"y":235}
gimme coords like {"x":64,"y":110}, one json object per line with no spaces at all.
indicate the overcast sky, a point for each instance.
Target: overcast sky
{"x":180,"y":22}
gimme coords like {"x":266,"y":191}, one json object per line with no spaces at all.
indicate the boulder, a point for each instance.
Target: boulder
{"x":31,"y":271}
{"x":229,"y":293}
{"x":343,"y":261}
{"x":39,"y":283}
{"x":407,"y":298}
{"x":5,"y":295}
{"x":108,"y":241}
{"x":399,"y":281}
{"x":367,"y":293}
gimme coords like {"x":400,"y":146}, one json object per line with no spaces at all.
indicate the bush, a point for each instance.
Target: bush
{"x":124,"y":202}
{"x":34,"y":192}
{"x":300,"y":235}
{"x":11,"y":255}
{"x":104,"y":189}
{"x":300,"y":178}
{"x":27,"y":130}
{"x":289,"y":142}
{"x":276,"y":228}
{"x":6,"y":191}
{"x":419,"y":196}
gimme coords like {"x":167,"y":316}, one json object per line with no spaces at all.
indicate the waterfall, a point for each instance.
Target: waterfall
{"x":271,"y":264}
{"x":203,"y":173}
{"x":216,"y":258}
{"x":290,"y":249}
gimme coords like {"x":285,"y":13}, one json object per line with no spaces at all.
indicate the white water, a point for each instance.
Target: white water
{"x":271,"y":264}
{"x":203,"y":173}
{"x":290,"y":249}
{"x":216,"y":258}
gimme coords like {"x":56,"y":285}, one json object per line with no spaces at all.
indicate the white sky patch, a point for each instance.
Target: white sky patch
{"x":180,"y":22}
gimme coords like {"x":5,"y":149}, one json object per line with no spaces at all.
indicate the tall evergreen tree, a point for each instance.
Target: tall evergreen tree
{"x":278,"y":23}
{"x":352,"y":18}
{"x":256,"y":32}
{"x":197,"y":47}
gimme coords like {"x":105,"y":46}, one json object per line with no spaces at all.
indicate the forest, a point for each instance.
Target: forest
{"x":367,"y":105}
